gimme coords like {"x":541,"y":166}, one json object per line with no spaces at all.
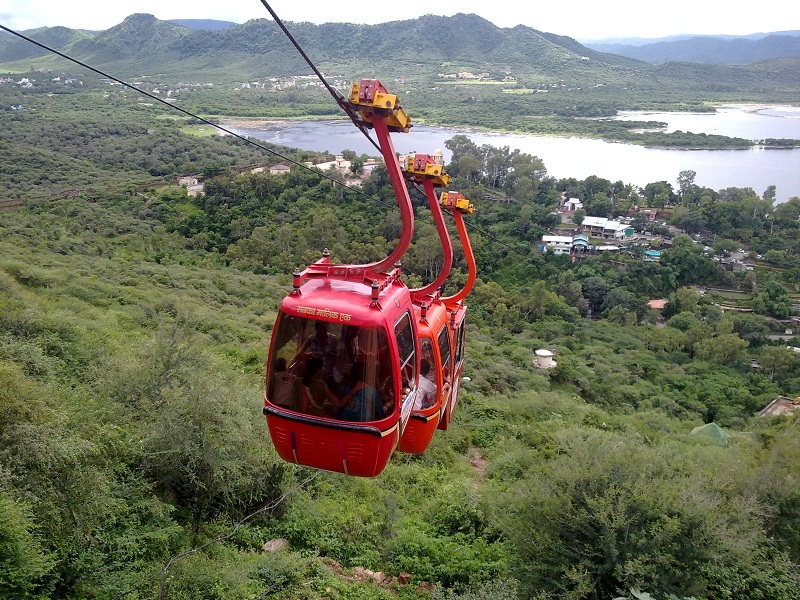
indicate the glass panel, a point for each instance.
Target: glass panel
{"x":444,"y":351}
{"x":406,"y":348}
{"x":427,"y":354}
{"x":460,"y":343}
{"x":428,"y":380}
{"x":331,"y":370}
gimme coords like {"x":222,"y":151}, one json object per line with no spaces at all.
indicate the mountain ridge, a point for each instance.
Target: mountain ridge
{"x":260,"y":48}
{"x":431,"y":45}
{"x":723,"y":50}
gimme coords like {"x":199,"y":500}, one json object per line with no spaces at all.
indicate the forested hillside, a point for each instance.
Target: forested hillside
{"x":465,"y":72}
{"x":135,"y":461}
{"x":134,"y":327}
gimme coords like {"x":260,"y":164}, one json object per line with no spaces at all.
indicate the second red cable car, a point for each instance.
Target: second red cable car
{"x":435,"y":387}
{"x":457,"y":205}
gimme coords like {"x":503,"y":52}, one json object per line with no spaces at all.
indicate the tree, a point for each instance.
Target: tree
{"x":687,"y":261}
{"x":686,"y":183}
{"x":595,"y":290}
{"x":774,"y":300}
{"x":211,"y":169}
{"x":690,"y":221}
{"x":356,"y":166}
{"x":599,"y":205}
{"x":497,"y":162}
{"x":777,"y":360}
{"x":24,"y":564}
{"x":658,"y":194}
{"x":723,"y":349}
{"x":620,"y":297}
{"x":568,"y":288}
{"x":697,"y":333}
{"x":469,"y":166}
{"x":525,"y":176}
{"x":683,"y":321}
{"x":608,"y":514}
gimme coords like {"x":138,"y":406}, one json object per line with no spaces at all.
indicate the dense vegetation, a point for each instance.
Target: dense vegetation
{"x":134,"y":323}
{"x":133,"y":332}
{"x":520,"y":79}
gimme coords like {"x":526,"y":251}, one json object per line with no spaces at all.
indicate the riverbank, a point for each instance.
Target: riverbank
{"x":756,"y":168}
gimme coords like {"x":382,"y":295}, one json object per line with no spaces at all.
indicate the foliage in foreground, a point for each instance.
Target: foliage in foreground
{"x":131,"y":386}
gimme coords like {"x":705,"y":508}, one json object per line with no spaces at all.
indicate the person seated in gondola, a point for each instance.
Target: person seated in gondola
{"x":372,"y":348}
{"x":426,"y":392}
{"x":362,"y":402}
{"x":281,"y":385}
{"x":321,"y":345}
{"x":345,"y":358}
{"x":312,"y":393}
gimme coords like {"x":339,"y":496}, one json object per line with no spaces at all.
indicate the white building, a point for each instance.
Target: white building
{"x":557,"y":244}
{"x":604,"y":227}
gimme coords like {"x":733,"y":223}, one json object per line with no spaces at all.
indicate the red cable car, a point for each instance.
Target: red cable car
{"x":435,"y":387}
{"x":343,"y":363}
{"x":455,"y":203}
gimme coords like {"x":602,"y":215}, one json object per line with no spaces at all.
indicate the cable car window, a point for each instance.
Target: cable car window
{"x":426,"y":353}
{"x":444,"y":351}
{"x":331,"y":370}
{"x":460,"y":343}
{"x":406,"y":348}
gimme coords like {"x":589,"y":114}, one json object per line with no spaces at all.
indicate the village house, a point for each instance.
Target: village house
{"x":780,"y":406}
{"x":565,"y":244}
{"x":571,"y":205}
{"x":557,"y":244}
{"x":339,"y":164}
{"x":194,"y":187}
{"x":187,"y":181}
{"x":280,"y":169}
{"x":604,"y":227}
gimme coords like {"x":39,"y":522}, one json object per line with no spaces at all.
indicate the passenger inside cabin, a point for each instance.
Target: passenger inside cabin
{"x":346,"y":352}
{"x":314,"y":396}
{"x":321,"y":345}
{"x":426,"y":392}
{"x":362,"y":402}
{"x":282,"y":385}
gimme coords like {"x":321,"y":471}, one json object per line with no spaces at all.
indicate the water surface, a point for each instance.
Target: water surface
{"x":756,"y":168}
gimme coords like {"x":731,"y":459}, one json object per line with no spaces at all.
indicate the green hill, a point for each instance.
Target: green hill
{"x":136,"y":461}
{"x":259,"y":49}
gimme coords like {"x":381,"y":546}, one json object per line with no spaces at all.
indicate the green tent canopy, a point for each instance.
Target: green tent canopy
{"x":713,"y":432}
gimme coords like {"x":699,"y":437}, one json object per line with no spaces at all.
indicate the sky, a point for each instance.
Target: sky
{"x":578,"y":19}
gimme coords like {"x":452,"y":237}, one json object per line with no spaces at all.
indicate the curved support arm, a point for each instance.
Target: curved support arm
{"x":469,"y":256}
{"x":400,"y":191}
{"x":444,"y":237}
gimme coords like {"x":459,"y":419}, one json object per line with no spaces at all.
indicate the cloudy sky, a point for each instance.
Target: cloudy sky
{"x":579,"y":19}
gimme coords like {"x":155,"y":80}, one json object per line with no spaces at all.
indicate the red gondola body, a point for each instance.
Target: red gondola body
{"x":432,"y":319}
{"x":350,"y":330}
{"x":455,"y":203}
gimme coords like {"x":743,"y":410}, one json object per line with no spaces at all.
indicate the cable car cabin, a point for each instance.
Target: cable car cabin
{"x":341,"y":373}
{"x":457,"y":327}
{"x":343,"y":364}
{"x":436,"y":369}
{"x":433,"y":396}
{"x":455,"y":203}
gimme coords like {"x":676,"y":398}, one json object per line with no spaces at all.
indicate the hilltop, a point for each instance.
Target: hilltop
{"x":430,"y":46}
{"x":711,"y":49}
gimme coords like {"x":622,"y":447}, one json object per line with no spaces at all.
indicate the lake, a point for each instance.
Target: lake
{"x":757,"y":168}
